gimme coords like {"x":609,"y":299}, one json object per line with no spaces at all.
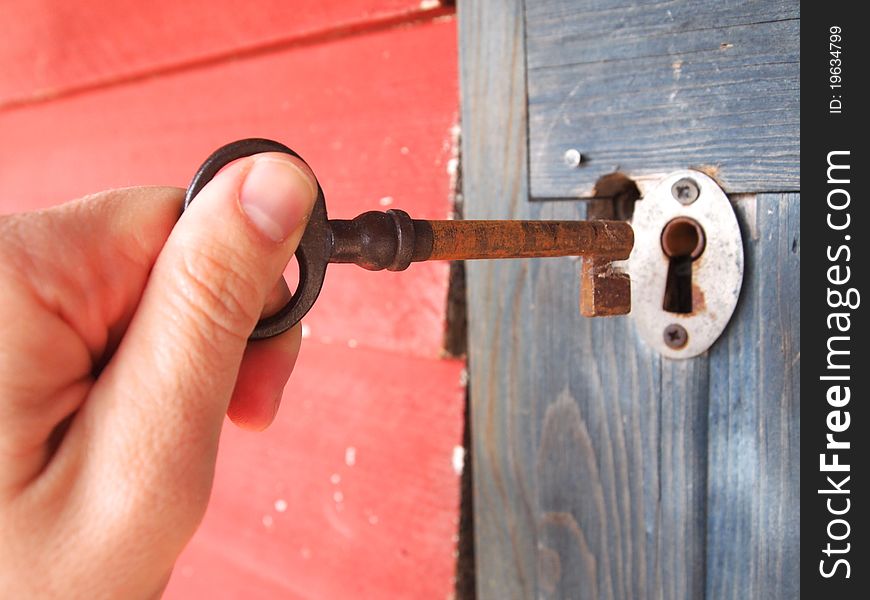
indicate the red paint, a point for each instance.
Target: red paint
{"x":372,"y":113}
{"x":375,"y":521}
{"x":52,"y":48}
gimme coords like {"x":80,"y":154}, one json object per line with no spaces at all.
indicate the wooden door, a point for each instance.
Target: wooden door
{"x":601,"y":469}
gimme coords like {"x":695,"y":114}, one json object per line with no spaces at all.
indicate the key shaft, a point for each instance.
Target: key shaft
{"x":468,"y":240}
{"x":392,"y":240}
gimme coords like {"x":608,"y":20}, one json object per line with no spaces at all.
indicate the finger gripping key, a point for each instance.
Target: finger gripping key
{"x":392,"y":240}
{"x":314,"y":248}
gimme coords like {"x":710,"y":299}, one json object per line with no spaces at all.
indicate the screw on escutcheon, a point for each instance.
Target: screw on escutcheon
{"x":685,"y":191}
{"x":675,"y":336}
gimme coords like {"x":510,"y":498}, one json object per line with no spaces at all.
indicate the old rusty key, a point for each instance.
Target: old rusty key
{"x":393,"y":240}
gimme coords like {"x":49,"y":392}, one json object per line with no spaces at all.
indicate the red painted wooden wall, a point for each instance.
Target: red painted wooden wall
{"x":353,"y":492}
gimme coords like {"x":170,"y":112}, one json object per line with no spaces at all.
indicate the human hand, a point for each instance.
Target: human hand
{"x":124,"y":342}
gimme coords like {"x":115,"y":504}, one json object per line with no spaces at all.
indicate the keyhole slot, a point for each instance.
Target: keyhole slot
{"x":683,"y":242}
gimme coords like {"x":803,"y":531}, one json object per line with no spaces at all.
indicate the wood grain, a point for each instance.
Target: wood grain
{"x":753,"y":524}
{"x":655,"y":87}
{"x":601,"y":442}
{"x":602,"y":470}
{"x":52,"y":49}
{"x":683,"y":470}
{"x":503,"y":419}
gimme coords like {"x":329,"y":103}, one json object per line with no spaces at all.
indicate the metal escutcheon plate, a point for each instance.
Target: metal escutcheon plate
{"x":717,"y":274}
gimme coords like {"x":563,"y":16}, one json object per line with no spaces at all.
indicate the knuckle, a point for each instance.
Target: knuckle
{"x":220,"y":300}
{"x":18,"y":254}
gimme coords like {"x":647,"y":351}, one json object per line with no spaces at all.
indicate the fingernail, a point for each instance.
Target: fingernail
{"x":276,"y":196}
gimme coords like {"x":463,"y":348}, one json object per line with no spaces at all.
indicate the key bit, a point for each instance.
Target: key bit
{"x":392,"y":240}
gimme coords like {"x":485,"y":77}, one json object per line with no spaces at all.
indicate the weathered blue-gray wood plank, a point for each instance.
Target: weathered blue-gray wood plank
{"x":600,"y":469}
{"x":753,"y":526}
{"x":647,"y":88}
{"x":503,"y":416}
{"x":599,"y":446}
{"x":580,"y":489}
{"x":684,"y":404}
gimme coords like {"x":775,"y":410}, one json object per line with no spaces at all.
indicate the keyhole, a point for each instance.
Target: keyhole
{"x":683,"y":242}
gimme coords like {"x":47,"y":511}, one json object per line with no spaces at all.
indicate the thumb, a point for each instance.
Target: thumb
{"x":155,"y":413}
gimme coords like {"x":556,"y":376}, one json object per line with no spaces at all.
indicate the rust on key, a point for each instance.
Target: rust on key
{"x":464,"y":240}
{"x":393,"y":240}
